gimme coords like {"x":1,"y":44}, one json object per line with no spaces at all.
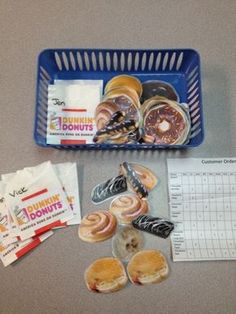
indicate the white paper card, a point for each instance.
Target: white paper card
{"x":71,"y":108}
{"x":202,"y":200}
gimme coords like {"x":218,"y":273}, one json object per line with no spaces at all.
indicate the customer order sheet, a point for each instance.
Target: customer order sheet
{"x":202,"y":199}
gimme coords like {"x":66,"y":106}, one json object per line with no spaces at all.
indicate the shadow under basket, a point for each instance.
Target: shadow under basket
{"x":178,"y":67}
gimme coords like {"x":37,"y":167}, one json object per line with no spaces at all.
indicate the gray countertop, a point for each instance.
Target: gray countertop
{"x":50,"y":278}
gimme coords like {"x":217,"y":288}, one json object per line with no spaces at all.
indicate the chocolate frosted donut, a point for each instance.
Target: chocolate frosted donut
{"x":165,"y":121}
{"x":128,"y":207}
{"x":158,"y":88}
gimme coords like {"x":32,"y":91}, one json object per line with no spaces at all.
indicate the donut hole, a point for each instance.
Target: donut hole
{"x":164,"y":126}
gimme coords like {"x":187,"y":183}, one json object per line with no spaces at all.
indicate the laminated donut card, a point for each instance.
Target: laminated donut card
{"x":71,"y":107}
{"x":6,"y":235}
{"x":37,"y":201}
{"x":67,"y":174}
{"x":14,"y":251}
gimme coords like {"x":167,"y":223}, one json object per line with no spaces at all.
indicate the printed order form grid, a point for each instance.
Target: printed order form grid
{"x":202,"y":195}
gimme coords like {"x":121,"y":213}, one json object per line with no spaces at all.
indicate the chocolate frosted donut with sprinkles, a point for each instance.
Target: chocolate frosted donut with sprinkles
{"x":165,"y":121}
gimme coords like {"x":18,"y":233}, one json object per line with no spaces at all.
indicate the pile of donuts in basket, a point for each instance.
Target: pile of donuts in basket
{"x":135,"y":112}
{"x":126,"y":217}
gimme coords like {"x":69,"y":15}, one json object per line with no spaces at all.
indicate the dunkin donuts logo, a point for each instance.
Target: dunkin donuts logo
{"x":21,"y":216}
{"x":71,"y":123}
{"x":3,"y":223}
{"x":36,"y":209}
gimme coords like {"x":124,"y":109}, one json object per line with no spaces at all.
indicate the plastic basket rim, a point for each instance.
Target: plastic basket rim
{"x":119,"y":49}
{"x":122,"y":146}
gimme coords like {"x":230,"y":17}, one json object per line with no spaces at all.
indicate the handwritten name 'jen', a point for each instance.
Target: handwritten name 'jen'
{"x":57,"y":102}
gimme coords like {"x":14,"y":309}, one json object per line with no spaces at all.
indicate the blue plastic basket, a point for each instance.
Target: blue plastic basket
{"x":179,"y":67}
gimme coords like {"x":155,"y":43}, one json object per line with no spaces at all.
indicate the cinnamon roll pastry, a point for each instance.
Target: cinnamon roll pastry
{"x":146,"y":267}
{"x":146,"y":176}
{"x":104,"y":112}
{"x":124,"y":81}
{"x":166,"y":121}
{"x":105,"y":275}
{"x":128,"y":207}
{"x":97,"y":226}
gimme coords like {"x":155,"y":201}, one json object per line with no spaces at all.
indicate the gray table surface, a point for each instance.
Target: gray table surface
{"x":50,"y":279}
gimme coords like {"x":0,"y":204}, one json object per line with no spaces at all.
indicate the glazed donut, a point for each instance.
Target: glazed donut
{"x":165,"y":120}
{"x":147,"y":267}
{"x":146,"y":176}
{"x":105,"y":275}
{"x":104,"y":112}
{"x":127,"y":207}
{"x":124,"y":81}
{"x":97,"y":226}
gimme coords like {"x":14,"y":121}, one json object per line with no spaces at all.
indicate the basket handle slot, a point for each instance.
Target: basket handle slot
{"x":94,"y":61}
{"x":179,"y":61}
{"x":158,"y":61}
{"x":80,"y":61}
{"x":165,"y":61}
{"x":72,"y":60}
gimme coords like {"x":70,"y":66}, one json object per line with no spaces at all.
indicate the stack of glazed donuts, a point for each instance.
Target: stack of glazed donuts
{"x":122,"y":119}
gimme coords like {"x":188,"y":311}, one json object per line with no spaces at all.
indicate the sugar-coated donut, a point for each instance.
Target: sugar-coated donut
{"x":146,"y":267}
{"x":105,"y":275}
